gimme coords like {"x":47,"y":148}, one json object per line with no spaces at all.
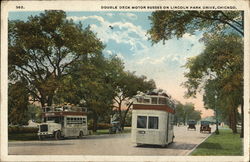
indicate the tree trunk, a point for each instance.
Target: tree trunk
{"x":120,"y":115}
{"x":230,"y":120}
{"x":234,"y":121}
{"x":123,"y":119}
{"x":95,"y":119}
{"x":50,"y":99}
{"x":242,"y":119}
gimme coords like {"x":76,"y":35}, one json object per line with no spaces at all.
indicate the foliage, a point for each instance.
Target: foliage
{"x":126,"y":88}
{"x":42,"y":49}
{"x":167,"y":24}
{"x":186,"y":112}
{"x":100,"y":126}
{"x":34,"y":113}
{"x":64,"y":63}
{"x":22,"y":136}
{"x":128,"y":119}
{"x":219,"y":71}
{"x":18,"y":103}
{"x":18,"y":129}
{"x":91,"y":83}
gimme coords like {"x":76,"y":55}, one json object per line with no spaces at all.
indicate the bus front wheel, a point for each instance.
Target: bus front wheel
{"x":57,"y":135}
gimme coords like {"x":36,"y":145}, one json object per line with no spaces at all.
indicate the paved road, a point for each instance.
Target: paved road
{"x":115,"y":144}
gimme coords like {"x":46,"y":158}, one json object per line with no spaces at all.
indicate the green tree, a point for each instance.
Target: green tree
{"x":195,"y":115}
{"x":18,"y":103}
{"x":42,"y":49}
{"x":179,"y":113}
{"x":34,"y":113}
{"x":90,"y":84}
{"x":168,"y":24}
{"x":220,"y":67}
{"x":186,"y":112}
{"x":127,"y":87}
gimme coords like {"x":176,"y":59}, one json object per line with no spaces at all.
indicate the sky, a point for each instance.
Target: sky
{"x":125,"y":35}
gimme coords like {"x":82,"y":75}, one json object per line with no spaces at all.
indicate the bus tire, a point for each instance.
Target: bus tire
{"x":163,"y":146}
{"x":80,"y":135}
{"x":57,"y":135}
{"x":172,"y":140}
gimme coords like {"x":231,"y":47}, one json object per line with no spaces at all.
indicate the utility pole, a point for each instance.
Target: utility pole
{"x":216,"y":115}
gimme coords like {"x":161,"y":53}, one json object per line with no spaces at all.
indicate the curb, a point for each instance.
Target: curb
{"x":198,"y":145}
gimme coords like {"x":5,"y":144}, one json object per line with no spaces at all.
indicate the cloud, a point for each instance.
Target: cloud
{"x":110,"y":14}
{"x":83,"y":18}
{"x":129,"y":15}
{"x":121,"y":32}
{"x":150,"y":60}
{"x":120,"y":55}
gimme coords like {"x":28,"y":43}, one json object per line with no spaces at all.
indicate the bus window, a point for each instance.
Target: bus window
{"x":54,"y":119}
{"x":153,"y":122}
{"x":146,"y":100}
{"x":154,"y":100}
{"x":141,"y":121}
{"x":139,"y":100}
{"x":162,"y":101}
{"x":84,"y":121}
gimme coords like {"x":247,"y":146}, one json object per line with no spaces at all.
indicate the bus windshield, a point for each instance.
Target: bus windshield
{"x":55,"y":119}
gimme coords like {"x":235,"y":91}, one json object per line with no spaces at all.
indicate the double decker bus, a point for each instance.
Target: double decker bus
{"x":153,"y":119}
{"x":60,"y":122}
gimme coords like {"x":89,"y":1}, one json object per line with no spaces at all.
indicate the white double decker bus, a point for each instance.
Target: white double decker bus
{"x":153,"y":120}
{"x":63,"y":122}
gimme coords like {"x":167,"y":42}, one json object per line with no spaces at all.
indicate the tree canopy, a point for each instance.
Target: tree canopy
{"x":52,"y":60}
{"x":42,"y":49}
{"x":168,"y":24}
{"x":219,"y":71}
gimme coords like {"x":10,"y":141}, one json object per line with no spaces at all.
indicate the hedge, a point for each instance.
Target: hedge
{"x":100,"y":126}
{"x":18,"y":129}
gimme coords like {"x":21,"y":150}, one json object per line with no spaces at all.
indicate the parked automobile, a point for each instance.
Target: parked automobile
{"x":115,"y":128}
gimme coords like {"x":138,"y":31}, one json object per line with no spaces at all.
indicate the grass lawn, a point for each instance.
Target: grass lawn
{"x":226,"y":143}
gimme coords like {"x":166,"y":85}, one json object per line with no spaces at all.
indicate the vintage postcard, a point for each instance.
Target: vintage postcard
{"x":125,"y":80}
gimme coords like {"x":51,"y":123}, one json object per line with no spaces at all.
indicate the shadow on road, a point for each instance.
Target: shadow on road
{"x":39,"y":144}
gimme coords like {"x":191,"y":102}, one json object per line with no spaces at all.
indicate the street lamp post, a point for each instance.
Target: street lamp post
{"x":216,"y":115}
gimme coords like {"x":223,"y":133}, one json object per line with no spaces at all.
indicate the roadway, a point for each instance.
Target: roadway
{"x":113,"y":144}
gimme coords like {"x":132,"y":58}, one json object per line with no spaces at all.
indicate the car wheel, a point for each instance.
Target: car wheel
{"x":163,"y":146}
{"x":117,"y":130}
{"x":138,"y":144}
{"x":58,"y":135}
{"x":80,"y":135}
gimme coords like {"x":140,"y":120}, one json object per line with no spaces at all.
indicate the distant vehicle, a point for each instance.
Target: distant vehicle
{"x":191,"y":124}
{"x":59,"y":123}
{"x":115,"y":127}
{"x":153,"y":120}
{"x":205,"y":127}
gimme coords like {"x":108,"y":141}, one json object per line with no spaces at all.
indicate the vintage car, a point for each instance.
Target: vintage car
{"x":115,"y":127}
{"x":205,"y":127}
{"x":191,"y":124}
